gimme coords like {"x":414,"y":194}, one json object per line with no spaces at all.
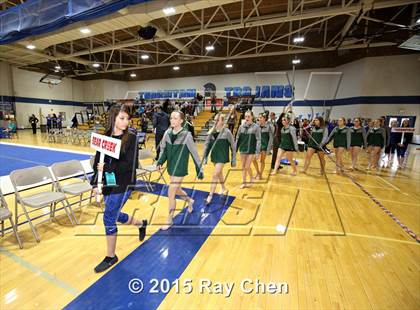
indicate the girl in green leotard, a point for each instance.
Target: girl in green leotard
{"x":376,"y":139}
{"x":248,"y":142}
{"x":288,"y":146}
{"x":358,"y":140}
{"x":319,"y":136}
{"x":341,"y":137}
{"x":175,"y":148}
{"x":218,"y":143}
{"x":267,"y":132}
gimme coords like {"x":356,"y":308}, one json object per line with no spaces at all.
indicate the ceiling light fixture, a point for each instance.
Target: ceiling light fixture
{"x":298,"y":40}
{"x":169,"y":10}
{"x":96,"y":65}
{"x":228,"y":66}
{"x":144,"y":56}
{"x":85,"y":30}
{"x":209,"y":48}
{"x":30,"y":46}
{"x":296,"y":61}
{"x":176,"y":68}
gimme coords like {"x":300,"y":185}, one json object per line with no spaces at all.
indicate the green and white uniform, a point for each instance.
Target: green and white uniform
{"x":248,"y":139}
{"x":319,"y":137}
{"x":376,"y":137}
{"x":175,"y":149}
{"x":341,"y":136}
{"x":288,"y":139}
{"x":267,"y":133}
{"x":217,"y":145}
{"x":358,"y":137}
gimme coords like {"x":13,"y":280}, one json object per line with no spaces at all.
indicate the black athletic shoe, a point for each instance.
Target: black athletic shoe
{"x":142,"y":230}
{"x":106,"y":263}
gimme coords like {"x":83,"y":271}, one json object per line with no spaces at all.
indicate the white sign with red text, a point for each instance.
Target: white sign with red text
{"x":106,"y":146}
{"x":403,"y":129}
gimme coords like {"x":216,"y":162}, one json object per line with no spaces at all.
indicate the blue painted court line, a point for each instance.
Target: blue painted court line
{"x":20,"y":157}
{"x":165,"y":255}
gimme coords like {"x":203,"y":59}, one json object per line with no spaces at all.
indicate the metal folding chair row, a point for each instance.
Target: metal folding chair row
{"x":69,"y":136}
{"x":24,"y":179}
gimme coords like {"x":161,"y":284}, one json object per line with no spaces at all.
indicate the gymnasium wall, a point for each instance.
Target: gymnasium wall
{"x":372,"y":76}
{"x":100,"y":90}
{"x":370,"y":87}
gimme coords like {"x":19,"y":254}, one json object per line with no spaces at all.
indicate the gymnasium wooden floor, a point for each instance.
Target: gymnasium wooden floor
{"x":344,"y":255}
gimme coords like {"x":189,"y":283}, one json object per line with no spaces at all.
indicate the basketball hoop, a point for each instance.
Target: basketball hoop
{"x":51,"y":80}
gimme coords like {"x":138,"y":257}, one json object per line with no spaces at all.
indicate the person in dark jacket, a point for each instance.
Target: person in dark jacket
{"x":277,"y":140}
{"x":74,"y":122}
{"x":119,"y":178}
{"x":49,"y":122}
{"x":402,"y":147}
{"x":160,"y":125}
{"x":166,"y":105}
{"x":394,"y":140}
{"x":33,"y":121}
{"x":213,"y":104}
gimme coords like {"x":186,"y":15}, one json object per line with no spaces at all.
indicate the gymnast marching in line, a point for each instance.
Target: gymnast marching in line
{"x":357,"y":141}
{"x":376,"y":139}
{"x":217,"y":145}
{"x":342,"y":137}
{"x":267,"y":134}
{"x":288,"y":145}
{"x":248,"y":142}
{"x":317,"y":137}
{"x":176,"y":146}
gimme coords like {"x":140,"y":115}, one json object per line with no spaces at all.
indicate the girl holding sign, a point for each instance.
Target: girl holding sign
{"x":176,"y":146}
{"x":119,"y":179}
{"x":218,"y":143}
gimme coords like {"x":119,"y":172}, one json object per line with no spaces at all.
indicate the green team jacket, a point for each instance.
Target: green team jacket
{"x":341,"y":136}
{"x":217,"y":145}
{"x":358,"y":137}
{"x":318,"y":137}
{"x":288,"y":139}
{"x":377,"y":137}
{"x":175,"y":149}
{"x":248,"y":139}
{"x":267,"y":134}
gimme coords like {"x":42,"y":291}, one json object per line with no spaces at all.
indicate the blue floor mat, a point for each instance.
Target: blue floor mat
{"x":19,"y":157}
